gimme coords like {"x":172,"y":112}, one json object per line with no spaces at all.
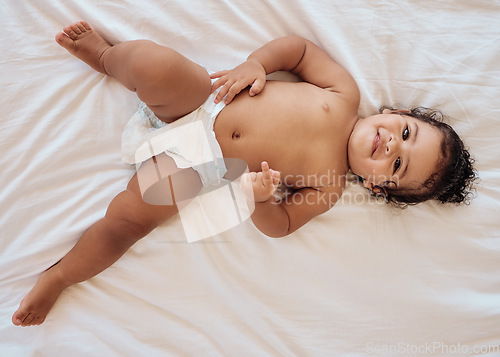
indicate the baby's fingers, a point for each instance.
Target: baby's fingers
{"x":223,"y":91}
{"x":218,"y":83}
{"x":267,"y":174}
{"x":234,"y":89}
{"x":257,"y":87}
{"x":276,"y":177}
{"x":264,"y":166}
{"x":219,"y":74}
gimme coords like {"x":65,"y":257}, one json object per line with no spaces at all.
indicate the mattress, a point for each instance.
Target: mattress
{"x":363,"y":279}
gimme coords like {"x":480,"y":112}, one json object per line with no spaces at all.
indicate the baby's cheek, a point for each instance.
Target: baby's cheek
{"x":377,"y":172}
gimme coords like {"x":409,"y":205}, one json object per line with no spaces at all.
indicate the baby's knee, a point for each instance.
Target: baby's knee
{"x":150,"y":61}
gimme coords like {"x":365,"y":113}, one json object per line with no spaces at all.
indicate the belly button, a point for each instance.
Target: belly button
{"x":326,"y":108}
{"x":236,"y":135}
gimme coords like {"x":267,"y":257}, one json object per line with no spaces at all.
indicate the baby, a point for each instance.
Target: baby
{"x":307,"y":132}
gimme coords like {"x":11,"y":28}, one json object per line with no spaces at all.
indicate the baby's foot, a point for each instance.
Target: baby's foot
{"x":37,"y":303}
{"x":84,"y":43}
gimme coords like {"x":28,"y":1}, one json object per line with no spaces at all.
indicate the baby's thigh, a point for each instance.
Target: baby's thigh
{"x":161,"y":182}
{"x":170,"y":84}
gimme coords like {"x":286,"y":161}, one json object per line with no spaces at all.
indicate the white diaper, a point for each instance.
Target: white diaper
{"x":190,"y":141}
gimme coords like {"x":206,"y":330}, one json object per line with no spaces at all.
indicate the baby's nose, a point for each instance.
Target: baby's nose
{"x":391,"y":145}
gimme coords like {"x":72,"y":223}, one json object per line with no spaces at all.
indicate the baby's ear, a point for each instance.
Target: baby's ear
{"x":368,"y":185}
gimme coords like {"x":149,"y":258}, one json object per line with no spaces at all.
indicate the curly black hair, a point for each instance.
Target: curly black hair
{"x":455,"y":177}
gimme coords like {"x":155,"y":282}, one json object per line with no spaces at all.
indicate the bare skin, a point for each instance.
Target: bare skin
{"x":301,"y":130}
{"x":275,"y":107}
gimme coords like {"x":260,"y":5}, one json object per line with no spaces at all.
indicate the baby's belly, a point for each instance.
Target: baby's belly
{"x":282,"y":126}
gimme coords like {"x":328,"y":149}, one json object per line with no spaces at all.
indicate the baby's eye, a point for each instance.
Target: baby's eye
{"x":406,"y":133}
{"x":397,"y":164}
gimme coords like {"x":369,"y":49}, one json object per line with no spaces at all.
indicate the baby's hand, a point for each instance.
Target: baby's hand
{"x":263,"y":183}
{"x":249,"y":73}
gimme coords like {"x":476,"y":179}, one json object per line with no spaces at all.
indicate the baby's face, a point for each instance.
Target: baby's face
{"x":394,"y":147}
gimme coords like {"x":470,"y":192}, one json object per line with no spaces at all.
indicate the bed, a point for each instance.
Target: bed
{"x":363,"y":279}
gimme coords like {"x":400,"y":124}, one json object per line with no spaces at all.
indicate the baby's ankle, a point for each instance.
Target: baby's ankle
{"x":56,"y":278}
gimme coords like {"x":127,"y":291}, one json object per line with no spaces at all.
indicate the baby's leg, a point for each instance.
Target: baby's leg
{"x":169,"y":83}
{"x":127,"y":220}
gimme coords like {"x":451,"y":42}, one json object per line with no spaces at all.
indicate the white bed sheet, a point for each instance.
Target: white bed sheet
{"x":362,"y":279}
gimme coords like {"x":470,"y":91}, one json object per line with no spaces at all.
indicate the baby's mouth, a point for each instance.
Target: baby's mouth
{"x":376,"y":143}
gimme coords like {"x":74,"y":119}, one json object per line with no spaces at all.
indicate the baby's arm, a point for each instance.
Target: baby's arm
{"x":280,"y":218}
{"x":294,"y":54}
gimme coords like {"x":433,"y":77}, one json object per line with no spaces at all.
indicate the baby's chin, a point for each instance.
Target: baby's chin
{"x":355,"y":166}
{"x":355,"y":158}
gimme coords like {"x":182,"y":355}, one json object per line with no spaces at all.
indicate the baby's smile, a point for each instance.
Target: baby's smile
{"x":376,"y":143}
